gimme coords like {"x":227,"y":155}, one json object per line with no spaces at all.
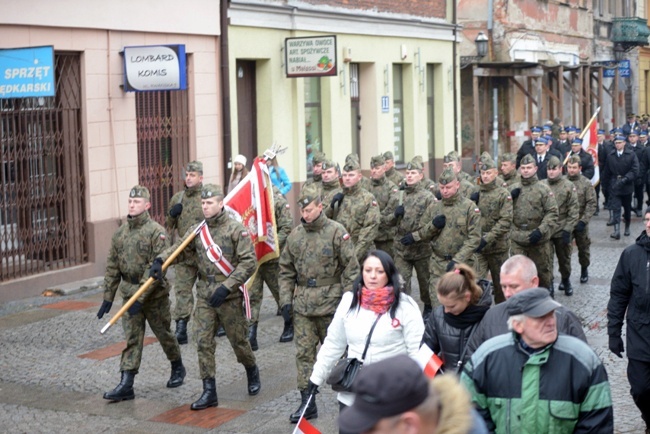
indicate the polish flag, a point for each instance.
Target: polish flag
{"x":428,"y":361}
{"x":590,"y":145}
{"x":303,"y":426}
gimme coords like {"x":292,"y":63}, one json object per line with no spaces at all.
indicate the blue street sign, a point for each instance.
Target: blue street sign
{"x":27,"y":72}
{"x":610,"y":65}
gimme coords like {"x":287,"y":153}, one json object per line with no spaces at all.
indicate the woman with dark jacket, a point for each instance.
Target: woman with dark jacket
{"x":463,"y":304}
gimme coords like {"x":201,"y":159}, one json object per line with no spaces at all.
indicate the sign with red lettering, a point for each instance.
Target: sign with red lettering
{"x":155,"y":67}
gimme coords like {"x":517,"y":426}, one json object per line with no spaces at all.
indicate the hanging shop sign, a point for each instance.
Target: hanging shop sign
{"x":27,"y":72}
{"x":310,"y":57}
{"x":155,"y":67}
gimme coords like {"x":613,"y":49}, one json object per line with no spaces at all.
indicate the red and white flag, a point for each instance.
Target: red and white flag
{"x":590,"y":145}
{"x":428,"y":361}
{"x":303,"y":426}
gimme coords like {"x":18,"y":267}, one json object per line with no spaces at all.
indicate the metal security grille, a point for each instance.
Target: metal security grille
{"x":42,"y":196}
{"x":163,"y":145}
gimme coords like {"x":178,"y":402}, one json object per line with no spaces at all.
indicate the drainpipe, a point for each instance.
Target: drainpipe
{"x":454,"y":20}
{"x":225,"y":90}
{"x":490,"y":24}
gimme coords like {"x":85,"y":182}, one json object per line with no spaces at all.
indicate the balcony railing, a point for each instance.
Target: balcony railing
{"x":630,"y":31}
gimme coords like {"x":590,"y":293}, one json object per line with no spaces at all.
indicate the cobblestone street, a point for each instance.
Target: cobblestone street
{"x":56,"y":366}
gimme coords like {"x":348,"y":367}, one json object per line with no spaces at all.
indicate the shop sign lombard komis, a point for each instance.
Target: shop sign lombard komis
{"x":27,"y":72}
{"x":154,"y":67}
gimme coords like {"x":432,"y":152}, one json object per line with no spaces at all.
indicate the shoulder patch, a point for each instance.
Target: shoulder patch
{"x":244,"y":233}
{"x":477,"y":211}
{"x":550,"y":193}
{"x":346,"y":236}
{"x":374,"y":203}
{"x":394,"y":190}
{"x":163,"y":236}
{"x":287,"y":206}
{"x":509,"y":198}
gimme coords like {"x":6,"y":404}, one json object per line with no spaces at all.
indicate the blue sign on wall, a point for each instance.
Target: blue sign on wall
{"x":27,"y":72}
{"x":611,"y":65}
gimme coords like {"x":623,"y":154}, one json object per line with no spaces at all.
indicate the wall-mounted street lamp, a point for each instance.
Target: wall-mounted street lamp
{"x":619,"y":52}
{"x":481,"y":42}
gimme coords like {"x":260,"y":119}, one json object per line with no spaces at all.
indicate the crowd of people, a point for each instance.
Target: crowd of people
{"x":482,"y":247}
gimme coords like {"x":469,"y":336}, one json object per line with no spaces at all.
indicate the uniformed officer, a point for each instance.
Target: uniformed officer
{"x":356,"y":209}
{"x":586,"y":207}
{"x":269,"y":272}
{"x":495,"y":204}
{"x":566,"y":198}
{"x":534,"y":220}
{"x":330,"y":181}
{"x":185,"y":211}
{"x":383,"y":189}
{"x":412,"y":254}
{"x":317,"y":170}
{"x":639,"y":182}
{"x":620,"y":171}
{"x":457,"y":240}
{"x":528,"y":147}
{"x":135,"y":244}
{"x":317,"y":264}
{"x":391,"y":172}
{"x":564,"y":145}
{"x":509,"y":170}
{"x":587,"y":161}
{"x":542,"y":154}
{"x":225,"y":258}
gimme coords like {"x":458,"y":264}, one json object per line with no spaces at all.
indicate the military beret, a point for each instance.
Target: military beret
{"x":352,"y":157}
{"x":576,"y":141}
{"x":448,"y":175}
{"x":451,"y":157}
{"x":328,"y":164}
{"x":318,"y":157}
{"x":634,"y":132}
{"x":509,"y":156}
{"x":211,"y":190}
{"x":377,"y":160}
{"x":388,"y":155}
{"x":140,"y":191}
{"x":487,"y":163}
{"x":619,"y":138}
{"x":415,"y":164}
{"x":528,"y":159}
{"x":194,"y":166}
{"x":307,"y":196}
{"x":553,"y":163}
{"x":351,"y":165}
{"x":574,"y":159}
{"x":601,"y":132}
{"x":541,"y":140}
{"x":536,"y":130}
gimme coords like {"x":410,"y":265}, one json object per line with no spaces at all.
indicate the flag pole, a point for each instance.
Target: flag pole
{"x":295,"y":430}
{"x":584,"y":131}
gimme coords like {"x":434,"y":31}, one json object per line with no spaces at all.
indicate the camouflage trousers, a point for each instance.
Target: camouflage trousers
{"x":421,"y":266}
{"x":540,"y":254}
{"x":493,"y":262}
{"x":186,"y":274}
{"x":206,"y":320}
{"x":386,"y":246}
{"x":563,"y":253}
{"x":156,"y":313}
{"x":583,"y":242}
{"x":309,"y":332}
{"x":267,"y":272}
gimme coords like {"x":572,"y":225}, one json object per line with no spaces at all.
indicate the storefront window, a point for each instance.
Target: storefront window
{"x":398,"y":115}
{"x":313,"y":120}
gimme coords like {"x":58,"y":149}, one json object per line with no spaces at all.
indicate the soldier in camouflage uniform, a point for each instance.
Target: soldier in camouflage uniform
{"x":317,"y":264}
{"x":391,"y":173}
{"x":383,"y":189}
{"x":317,"y":170}
{"x":509,"y":170}
{"x":330,"y":181}
{"x":467,"y":183}
{"x":534,"y":220}
{"x":566,"y":198}
{"x":269,"y":271}
{"x":364,"y":182}
{"x":409,"y":253}
{"x":356,"y":209}
{"x":495,"y":204}
{"x":586,"y":207}
{"x":457,"y":238}
{"x":185,"y":211}
{"x":218,"y":297}
{"x":427,"y":184}
{"x":487,"y":158}
{"x":135,"y":244}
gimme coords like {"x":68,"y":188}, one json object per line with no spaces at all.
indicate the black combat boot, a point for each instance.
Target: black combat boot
{"x":287,"y":333}
{"x":611,"y":218}
{"x":124,"y":390}
{"x":567,"y":288}
{"x":310,"y":413}
{"x":178,"y":374}
{"x":253,"y":377}
{"x":617,"y":231}
{"x":208,"y":397}
{"x":252,"y":336}
{"x":584,"y":275}
{"x":427,"y":311}
{"x":181,"y":331}
{"x":220,"y":331}
{"x":627,"y":228}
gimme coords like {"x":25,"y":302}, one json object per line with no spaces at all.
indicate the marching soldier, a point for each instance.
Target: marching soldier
{"x":185,"y":211}
{"x":457,"y":239}
{"x":317,"y":264}
{"x":509,"y":170}
{"x":467,"y":183}
{"x":317,"y":170}
{"x":269,"y":271}
{"x":391,"y":172}
{"x":410,"y":253}
{"x":487,"y":158}
{"x":427,"y":184}
{"x":383,"y":189}
{"x":363,"y":182}
{"x":495,"y":205}
{"x":331,"y":185}
{"x":566,"y":198}
{"x":135,"y":244}
{"x":586,"y":207}
{"x":356,"y":209}
{"x":619,"y":173}
{"x":225,"y":258}
{"x":534,"y":220}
